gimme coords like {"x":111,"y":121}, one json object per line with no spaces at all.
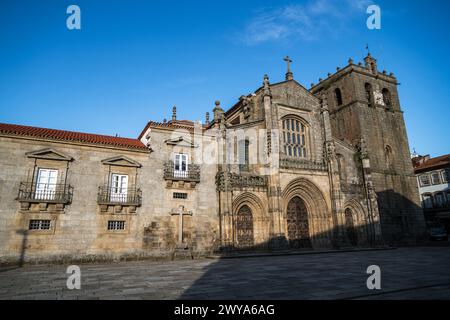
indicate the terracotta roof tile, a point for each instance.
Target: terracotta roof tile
{"x":62,"y":135}
{"x":437,"y":163}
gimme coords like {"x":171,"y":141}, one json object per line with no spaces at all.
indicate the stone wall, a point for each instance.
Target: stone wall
{"x":383,"y":129}
{"x":80,"y":229}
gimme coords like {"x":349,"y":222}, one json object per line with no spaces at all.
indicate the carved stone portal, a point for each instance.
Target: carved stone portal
{"x":297,"y":223}
{"x":244,"y":227}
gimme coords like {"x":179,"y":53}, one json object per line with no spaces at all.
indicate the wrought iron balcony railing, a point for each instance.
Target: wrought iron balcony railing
{"x":114,"y":195}
{"x":39,"y":192}
{"x":191,"y":174}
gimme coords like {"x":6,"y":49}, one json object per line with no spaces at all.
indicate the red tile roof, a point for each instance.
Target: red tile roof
{"x":62,"y":135}
{"x":433,"y":163}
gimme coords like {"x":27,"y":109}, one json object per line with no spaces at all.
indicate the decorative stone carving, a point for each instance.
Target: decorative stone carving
{"x":371,"y":191}
{"x":362,"y":148}
{"x":247,"y":106}
{"x":352,"y":188}
{"x":238,"y":182}
{"x":330,"y":150}
{"x":290,"y":163}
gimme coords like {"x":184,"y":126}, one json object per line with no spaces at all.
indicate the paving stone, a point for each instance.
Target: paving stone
{"x":323,"y":276}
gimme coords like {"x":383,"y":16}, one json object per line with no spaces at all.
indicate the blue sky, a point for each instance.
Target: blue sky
{"x":133,"y":60}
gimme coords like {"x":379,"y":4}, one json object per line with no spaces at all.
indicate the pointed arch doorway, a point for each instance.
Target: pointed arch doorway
{"x":244,"y":227}
{"x":350,"y":227}
{"x":297,"y":224}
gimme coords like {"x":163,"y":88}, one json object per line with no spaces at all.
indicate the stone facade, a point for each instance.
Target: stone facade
{"x":284,"y":167}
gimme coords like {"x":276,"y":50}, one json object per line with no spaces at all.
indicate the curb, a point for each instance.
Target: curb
{"x":295,"y":253}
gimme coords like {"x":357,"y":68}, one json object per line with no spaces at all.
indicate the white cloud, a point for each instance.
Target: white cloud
{"x":302,"y":21}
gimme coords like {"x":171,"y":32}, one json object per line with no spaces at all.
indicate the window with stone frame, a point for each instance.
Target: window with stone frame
{"x":424,"y":180}
{"x":445,"y":175}
{"x":119,"y":191}
{"x":46,"y":187}
{"x":341,"y":167}
{"x":439,"y":199}
{"x":388,"y":154}
{"x":114,"y":225}
{"x":180,"y":195}
{"x":427,"y":201}
{"x":435,"y":178}
{"x":244,"y":154}
{"x":369,"y":93}
{"x":46,"y":183}
{"x":387,"y":98}
{"x":295,"y":138}
{"x":118,"y":188}
{"x":39,"y":225}
{"x":180,"y":165}
{"x":338,"y":96}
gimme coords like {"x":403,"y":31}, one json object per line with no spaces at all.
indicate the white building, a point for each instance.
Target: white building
{"x":433,"y":178}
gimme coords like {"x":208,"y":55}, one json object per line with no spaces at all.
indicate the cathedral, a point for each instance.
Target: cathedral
{"x":284,"y":167}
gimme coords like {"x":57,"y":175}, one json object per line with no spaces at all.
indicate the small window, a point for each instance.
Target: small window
{"x":116,"y":225}
{"x":369,"y":93}
{"x":439,"y":200}
{"x":180,"y":195}
{"x":338,"y":96}
{"x":387,"y":98}
{"x":435,"y":179}
{"x":39,"y":225}
{"x":445,"y":175}
{"x":427,"y":201}
{"x":388,"y":152}
{"x":244,"y":161}
{"x":424,"y":180}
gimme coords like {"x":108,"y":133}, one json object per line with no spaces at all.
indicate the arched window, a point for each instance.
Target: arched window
{"x":244,"y":155}
{"x":341,"y":167}
{"x":338,"y":96}
{"x":350,"y":227}
{"x":295,"y":138}
{"x":387,"y":98}
{"x":369,"y":93}
{"x":388,"y":153}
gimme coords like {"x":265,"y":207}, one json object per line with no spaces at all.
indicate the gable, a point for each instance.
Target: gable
{"x":181,"y":142}
{"x":294,"y":95}
{"x":49,"y":154}
{"x":121,"y":161}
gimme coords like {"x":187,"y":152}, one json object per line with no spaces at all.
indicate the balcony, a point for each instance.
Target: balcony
{"x":60,"y":193}
{"x":108,"y":195}
{"x":190,"y":175}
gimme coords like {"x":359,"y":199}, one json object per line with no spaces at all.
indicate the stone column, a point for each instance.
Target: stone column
{"x":374,"y":226}
{"x":277,"y":230}
{"x":340,"y":238}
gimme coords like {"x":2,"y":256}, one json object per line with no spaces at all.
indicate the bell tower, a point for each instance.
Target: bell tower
{"x":364,"y":105}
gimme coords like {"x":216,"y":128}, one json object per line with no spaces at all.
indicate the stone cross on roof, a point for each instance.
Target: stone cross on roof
{"x":289,"y":74}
